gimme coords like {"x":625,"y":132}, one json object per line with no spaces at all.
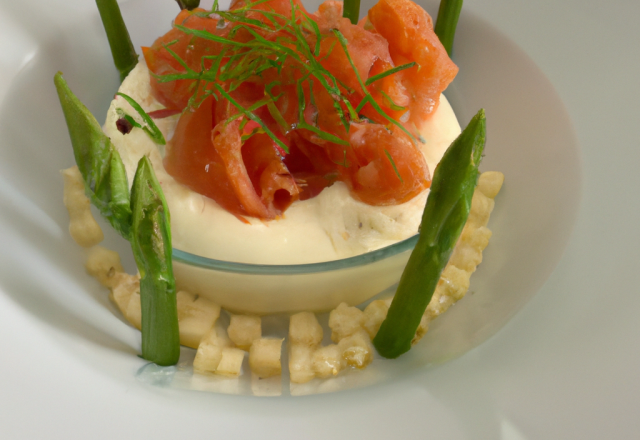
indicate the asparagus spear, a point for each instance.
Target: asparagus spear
{"x":188,"y":4}
{"x":99,"y":162}
{"x":446,"y":23}
{"x":124,"y":55}
{"x":351,"y":10}
{"x":444,"y":217}
{"x":151,"y":244}
{"x":142,"y":218}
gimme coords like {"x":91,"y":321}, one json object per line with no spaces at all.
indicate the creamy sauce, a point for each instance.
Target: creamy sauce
{"x":328,"y":227}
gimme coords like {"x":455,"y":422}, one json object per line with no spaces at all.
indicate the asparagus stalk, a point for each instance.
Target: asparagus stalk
{"x":188,"y":4}
{"x":98,"y":161}
{"x":151,"y":244}
{"x":351,"y":10}
{"x":142,"y":218}
{"x":446,"y":23}
{"x":124,"y":55}
{"x":444,"y":217}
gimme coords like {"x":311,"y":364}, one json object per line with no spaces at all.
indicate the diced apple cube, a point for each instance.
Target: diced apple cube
{"x":423,"y":327}
{"x":244,"y":329}
{"x":230,"y":362}
{"x":481,"y":207}
{"x":209,"y":352}
{"x":455,"y":282}
{"x":196,"y":317}
{"x":264,"y":357}
{"x":465,"y":257}
{"x":207,"y":358}
{"x":301,"y":362}
{"x":374,"y":314}
{"x":103,"y":264}
{"x":124,"y":285}
{"x":327,"y":361}
{"x":82,"y":226}
{"x":344,"y":321}
{"x":357,"y":350}
{"x":304,"y":328}
{"x":490,"y":183}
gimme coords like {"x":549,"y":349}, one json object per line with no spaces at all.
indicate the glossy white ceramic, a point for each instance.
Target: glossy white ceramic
{"x":565,"y":366}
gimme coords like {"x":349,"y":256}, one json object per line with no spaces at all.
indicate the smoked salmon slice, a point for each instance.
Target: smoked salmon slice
{"x":257,"y":140}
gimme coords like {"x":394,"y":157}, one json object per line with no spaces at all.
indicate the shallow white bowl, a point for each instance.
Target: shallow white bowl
{"x":530,"y":139}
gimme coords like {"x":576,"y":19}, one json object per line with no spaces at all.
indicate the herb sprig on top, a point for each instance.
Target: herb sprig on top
{"x":297,"y":41}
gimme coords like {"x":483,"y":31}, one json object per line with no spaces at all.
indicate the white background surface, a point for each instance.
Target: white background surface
{"x":566,"y":366}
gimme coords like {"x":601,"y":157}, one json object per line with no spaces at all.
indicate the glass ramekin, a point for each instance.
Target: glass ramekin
{"x":268,"y":289}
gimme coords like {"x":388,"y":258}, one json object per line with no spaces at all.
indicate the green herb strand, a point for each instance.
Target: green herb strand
{"x":250,"y":115}
{"x":446,"y":23}
{"x":244,"y":59}
{"x":386,"y":73}
{"x":444,"y":217}
{"x":149,"y":126}
{"x":393,"y":164}
{"x":122,"y":51}
{"x":151,"y":245}
{"x":368,"y":98}
{"x":98,"y":161}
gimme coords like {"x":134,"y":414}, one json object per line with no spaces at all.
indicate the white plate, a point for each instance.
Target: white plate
{"x":564,"y":367}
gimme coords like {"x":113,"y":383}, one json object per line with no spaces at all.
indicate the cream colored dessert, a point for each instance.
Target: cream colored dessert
{"x":328,"y":227}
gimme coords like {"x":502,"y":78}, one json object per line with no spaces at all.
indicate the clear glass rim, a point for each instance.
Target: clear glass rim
{"x":295,"y":269}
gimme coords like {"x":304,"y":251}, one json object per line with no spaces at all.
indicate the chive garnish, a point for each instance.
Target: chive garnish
{"x":368,"y":99}
{"x":393,"y":164}
{"x":444,"y":217}
{"x":392,"y":105}
{"x":149,"y":126}
{"x":151,"y":245}
{"x":122,"y":51}
{"x":389,"y":72}
{"x":446,"y":23}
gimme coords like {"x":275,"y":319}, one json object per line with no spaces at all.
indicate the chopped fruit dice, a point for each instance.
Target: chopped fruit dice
{"x":328,"y":361}
{"x":357,"y":349}
{"x":244,"y":329}
{"x":301,"y":362}
{"x":103,"y":264}
{"x":82,"y":226}
{"x":344,"y":321}
{"x":209,"y":352}
{"x":264,"y":357}
{"x":230,"y":362}
{"x":374,"y":314}
{"x":305,"y":329}
{"x":196,"y":317}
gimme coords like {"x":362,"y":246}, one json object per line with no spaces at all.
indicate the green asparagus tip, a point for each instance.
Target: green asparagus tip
{"x":445,"y":214}
{"x":98,"y":161}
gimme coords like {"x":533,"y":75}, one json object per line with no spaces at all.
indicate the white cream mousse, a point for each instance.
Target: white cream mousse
{"x":328,"y":227}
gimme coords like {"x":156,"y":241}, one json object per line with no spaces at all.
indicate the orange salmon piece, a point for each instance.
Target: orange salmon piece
{"x":409,"y":30}
{"x":389,"y":169}
{"x":192,"y":160}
